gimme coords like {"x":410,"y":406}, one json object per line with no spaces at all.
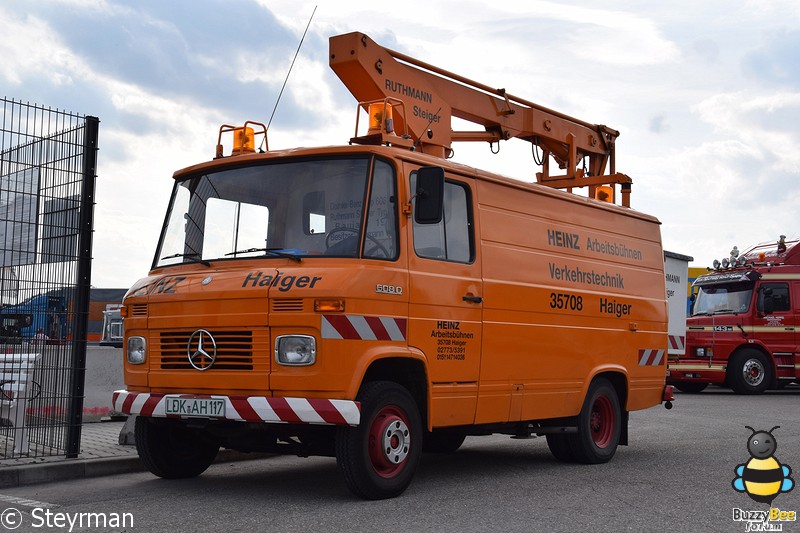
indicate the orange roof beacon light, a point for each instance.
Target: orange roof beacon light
{"x":604,"y":193}
{"x":244,"y":138}
{"x":380,"y":117}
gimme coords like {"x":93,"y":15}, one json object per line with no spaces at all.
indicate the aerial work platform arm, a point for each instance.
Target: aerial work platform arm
{"x":430,"y":97}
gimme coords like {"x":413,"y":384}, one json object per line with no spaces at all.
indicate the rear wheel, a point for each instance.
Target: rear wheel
{"x":378,"y":457}
{"x":599,"y":428}
{"x":599,"y":424}
{"x":749,"y":372}
{"x":561,"y":447}
{"x":692,"y":387}
{"x":172,"y":451}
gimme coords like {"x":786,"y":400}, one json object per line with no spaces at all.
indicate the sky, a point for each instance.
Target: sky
{"x":706,"y":95}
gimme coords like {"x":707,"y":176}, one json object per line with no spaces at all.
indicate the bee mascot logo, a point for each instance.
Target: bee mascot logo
{"x":762,"y":477}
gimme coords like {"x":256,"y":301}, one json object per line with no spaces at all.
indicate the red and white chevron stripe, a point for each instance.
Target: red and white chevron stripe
{"x":251,"y":408}
{"x":367,"y":328}
{"x":677,"y":342}
{"x":651,"y":357}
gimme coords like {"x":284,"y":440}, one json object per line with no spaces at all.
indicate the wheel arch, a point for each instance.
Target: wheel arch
{"x":619,"y":380}
{"x":408,"y":372}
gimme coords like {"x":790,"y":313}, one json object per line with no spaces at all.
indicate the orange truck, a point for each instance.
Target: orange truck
{"x":373,"y":301}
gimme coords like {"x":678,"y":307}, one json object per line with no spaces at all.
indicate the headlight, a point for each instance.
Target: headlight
{"x":296,"y":350}
{"x":137,"y":350}
{"x":704,"y":351}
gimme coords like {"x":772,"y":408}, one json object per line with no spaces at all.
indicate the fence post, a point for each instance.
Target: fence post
{"x":83,"y":286}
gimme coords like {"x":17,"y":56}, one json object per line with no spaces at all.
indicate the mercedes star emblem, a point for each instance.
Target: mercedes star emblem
{"x":202,"y":350}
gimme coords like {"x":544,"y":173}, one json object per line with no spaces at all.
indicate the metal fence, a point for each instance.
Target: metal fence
{"x":47,"y":181}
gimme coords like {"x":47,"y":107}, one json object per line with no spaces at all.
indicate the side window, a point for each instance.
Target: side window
{"x":381,"y":238}
{"x":780,"y":296}
{"x":450,"y":239}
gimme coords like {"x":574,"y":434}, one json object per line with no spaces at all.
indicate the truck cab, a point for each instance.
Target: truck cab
{"x":743,"y":328}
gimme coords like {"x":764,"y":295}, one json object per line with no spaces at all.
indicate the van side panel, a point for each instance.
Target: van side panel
{"x":572,"y":288}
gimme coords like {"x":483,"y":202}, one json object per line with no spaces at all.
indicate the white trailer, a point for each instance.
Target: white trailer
{"x":676,"y":272}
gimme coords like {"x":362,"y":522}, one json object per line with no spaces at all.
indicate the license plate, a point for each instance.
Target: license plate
{"x":199,"y":407}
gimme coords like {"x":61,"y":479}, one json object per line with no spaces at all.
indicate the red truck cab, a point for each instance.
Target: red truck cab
{"x":743,"y":328}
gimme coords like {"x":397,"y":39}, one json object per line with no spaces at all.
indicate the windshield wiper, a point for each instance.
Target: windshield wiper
{"x":268,"y":251}
{"x":196,"y":256}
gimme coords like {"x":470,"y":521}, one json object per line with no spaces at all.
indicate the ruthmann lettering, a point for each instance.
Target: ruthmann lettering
{"x":610,"y":248}
{"x":587,"y":277}
{"x":408,"y":90}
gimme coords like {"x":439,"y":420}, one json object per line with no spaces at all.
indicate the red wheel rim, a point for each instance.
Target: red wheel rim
{"x":389,"y":441}
{"x":602,"y":422}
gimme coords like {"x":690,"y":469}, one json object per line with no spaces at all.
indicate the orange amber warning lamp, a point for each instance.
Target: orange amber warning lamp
{"x":244,"y":138}
{"x":604,"y":193}
{"x":380,"y":117}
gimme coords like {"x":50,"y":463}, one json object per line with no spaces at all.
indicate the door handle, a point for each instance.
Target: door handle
{"x":472,"y":299}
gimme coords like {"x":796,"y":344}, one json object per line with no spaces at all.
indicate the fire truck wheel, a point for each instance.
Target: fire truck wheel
{"x":172,"y":451}
{"x":599,"y":425}
{"x":378,"y":457}
{"x":749,"y":372}
{"x":443,"y":441}
{"x":690,"y":386}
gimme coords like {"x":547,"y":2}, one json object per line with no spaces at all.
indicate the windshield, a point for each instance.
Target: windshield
{"x":294,"y":209}
{"x":721,"y":299}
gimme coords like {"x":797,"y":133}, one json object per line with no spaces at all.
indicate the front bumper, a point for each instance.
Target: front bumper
{"x":697,"y":371}
{"x":275,"y":410}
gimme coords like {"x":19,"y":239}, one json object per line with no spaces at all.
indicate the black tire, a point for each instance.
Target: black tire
{"x":749,"y":372}
{"x":443,"y":441}
{"x":599,"y":425}
{"x":691,"y":387}
{"x":171,"y":451}
{"x":560,"y":447}
{"x":378,"y":457}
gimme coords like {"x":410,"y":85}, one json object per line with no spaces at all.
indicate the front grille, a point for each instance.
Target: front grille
{"x":139,"y":310}
{"x":287,"y":304}
{"x":234,"y":350}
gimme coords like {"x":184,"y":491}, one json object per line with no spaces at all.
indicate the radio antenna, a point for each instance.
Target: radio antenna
{"x":287,"y":74}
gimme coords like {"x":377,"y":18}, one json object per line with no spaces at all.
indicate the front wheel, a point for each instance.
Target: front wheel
{"x":172,"y":451}
{"x":378,"y":457}
{"x":749,"y":372}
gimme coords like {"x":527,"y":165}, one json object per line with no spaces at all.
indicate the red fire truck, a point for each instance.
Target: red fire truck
{"x":743,"y":330}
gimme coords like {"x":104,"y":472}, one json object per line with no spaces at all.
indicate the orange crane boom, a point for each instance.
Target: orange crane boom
{"x":431,"y":96}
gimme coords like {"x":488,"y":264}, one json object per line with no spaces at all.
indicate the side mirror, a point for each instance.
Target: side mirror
{"x":429,"y":195}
